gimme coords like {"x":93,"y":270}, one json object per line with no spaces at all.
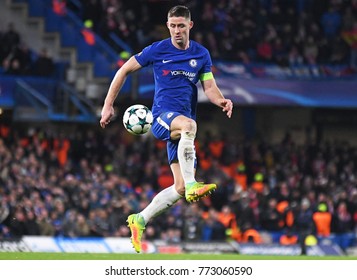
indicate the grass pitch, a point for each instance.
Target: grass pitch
{"x":114,"y":256}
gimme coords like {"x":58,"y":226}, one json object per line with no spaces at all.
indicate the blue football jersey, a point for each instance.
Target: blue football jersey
{"x":176,"y":73}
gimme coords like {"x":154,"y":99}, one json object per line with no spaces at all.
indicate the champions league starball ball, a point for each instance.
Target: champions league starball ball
{"x":137,"y":119}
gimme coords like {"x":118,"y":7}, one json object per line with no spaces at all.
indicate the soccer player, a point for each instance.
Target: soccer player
{"x":178,"y":64}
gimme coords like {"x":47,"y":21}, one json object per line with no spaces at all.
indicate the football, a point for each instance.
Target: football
{"x":137,"y":119}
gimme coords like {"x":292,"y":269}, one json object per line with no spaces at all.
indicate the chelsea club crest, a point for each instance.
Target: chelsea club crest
{"x":193,"y":63}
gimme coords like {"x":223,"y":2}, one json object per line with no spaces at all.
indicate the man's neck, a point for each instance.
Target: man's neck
{"x":181,"y":46}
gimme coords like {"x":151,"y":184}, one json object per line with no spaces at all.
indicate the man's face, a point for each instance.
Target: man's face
{"x":180,"y":31}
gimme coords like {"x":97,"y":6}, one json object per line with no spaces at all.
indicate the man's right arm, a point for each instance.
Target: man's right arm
{"x":117,"y":83}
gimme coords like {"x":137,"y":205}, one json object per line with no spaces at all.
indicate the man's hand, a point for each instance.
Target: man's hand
{"x":227,"y":106}
{"x":107,"y":114}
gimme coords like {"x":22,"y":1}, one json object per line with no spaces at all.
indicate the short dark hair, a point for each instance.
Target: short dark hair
{"x":179,"y":11}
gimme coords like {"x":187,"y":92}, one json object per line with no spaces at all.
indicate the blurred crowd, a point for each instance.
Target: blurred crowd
{"x":269,"y":31}
{"x":83,"y":182}
{"x":286,"y":33}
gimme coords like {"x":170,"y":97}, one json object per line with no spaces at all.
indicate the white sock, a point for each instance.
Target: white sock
{"x":162,"y":201}
{"x":186,"y":156}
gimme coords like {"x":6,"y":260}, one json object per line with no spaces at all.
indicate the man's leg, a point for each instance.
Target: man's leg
{"x":187,"y":157}
{"x":160,"y":203}
{"x":137,"y":222}
{"x":173,"y":127}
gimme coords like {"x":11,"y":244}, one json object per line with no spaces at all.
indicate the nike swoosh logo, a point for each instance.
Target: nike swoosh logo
{"x":166,"y":61}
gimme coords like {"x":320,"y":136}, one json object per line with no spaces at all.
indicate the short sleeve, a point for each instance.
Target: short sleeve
{"x":207,"y":67}
{"x":206,"y":71}
{"x":145,"y":56}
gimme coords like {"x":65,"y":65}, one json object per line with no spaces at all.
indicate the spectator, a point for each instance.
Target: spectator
{"x":98,"y":222}
{"x":339,"y":52}
{"x":270,"y":218}
{"x":350,"y":37}
{"x":342,"y":219}
{"x":92,"y":10}
{"x":244,"y":211}
{"x":59,"y":7}
{"x":279,"y":52}
{"x":3,"y":51}
{"x":44,"y":65}
{"x":288,"y":238}
{"x":227,"y":218}
{"x":322,"y":219}
{"x":69,"y":223}
{"x":12,"y":67}
{"x":10,"y":39}
{"x":5,"y":232}
{"x":171,"y":229}
{"x":18,"y":61}
{"x":81,"y":227}
{"x":193,"y":223}
{"x":265,"y":50}
{"x":4,"y":209}
{"x":311,"y":51}
{"x":45,"y":226}
{"x":250,"y":234}
{"x":31,"y":225}
{"x":304,"y":223}
{"x":331,"y":22}
{"x":212,"y":228}
{"x":18,"y":224}
{"x":295,"y":58}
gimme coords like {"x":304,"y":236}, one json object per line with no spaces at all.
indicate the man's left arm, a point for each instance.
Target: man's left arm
{"x":214,"y":95}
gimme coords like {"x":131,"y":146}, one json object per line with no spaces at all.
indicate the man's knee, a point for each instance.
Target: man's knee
{"x":182,"y":125}
{"x":189,"y":127}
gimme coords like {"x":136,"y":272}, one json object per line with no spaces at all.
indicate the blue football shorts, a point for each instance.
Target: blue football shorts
{"x":161,"y":130}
